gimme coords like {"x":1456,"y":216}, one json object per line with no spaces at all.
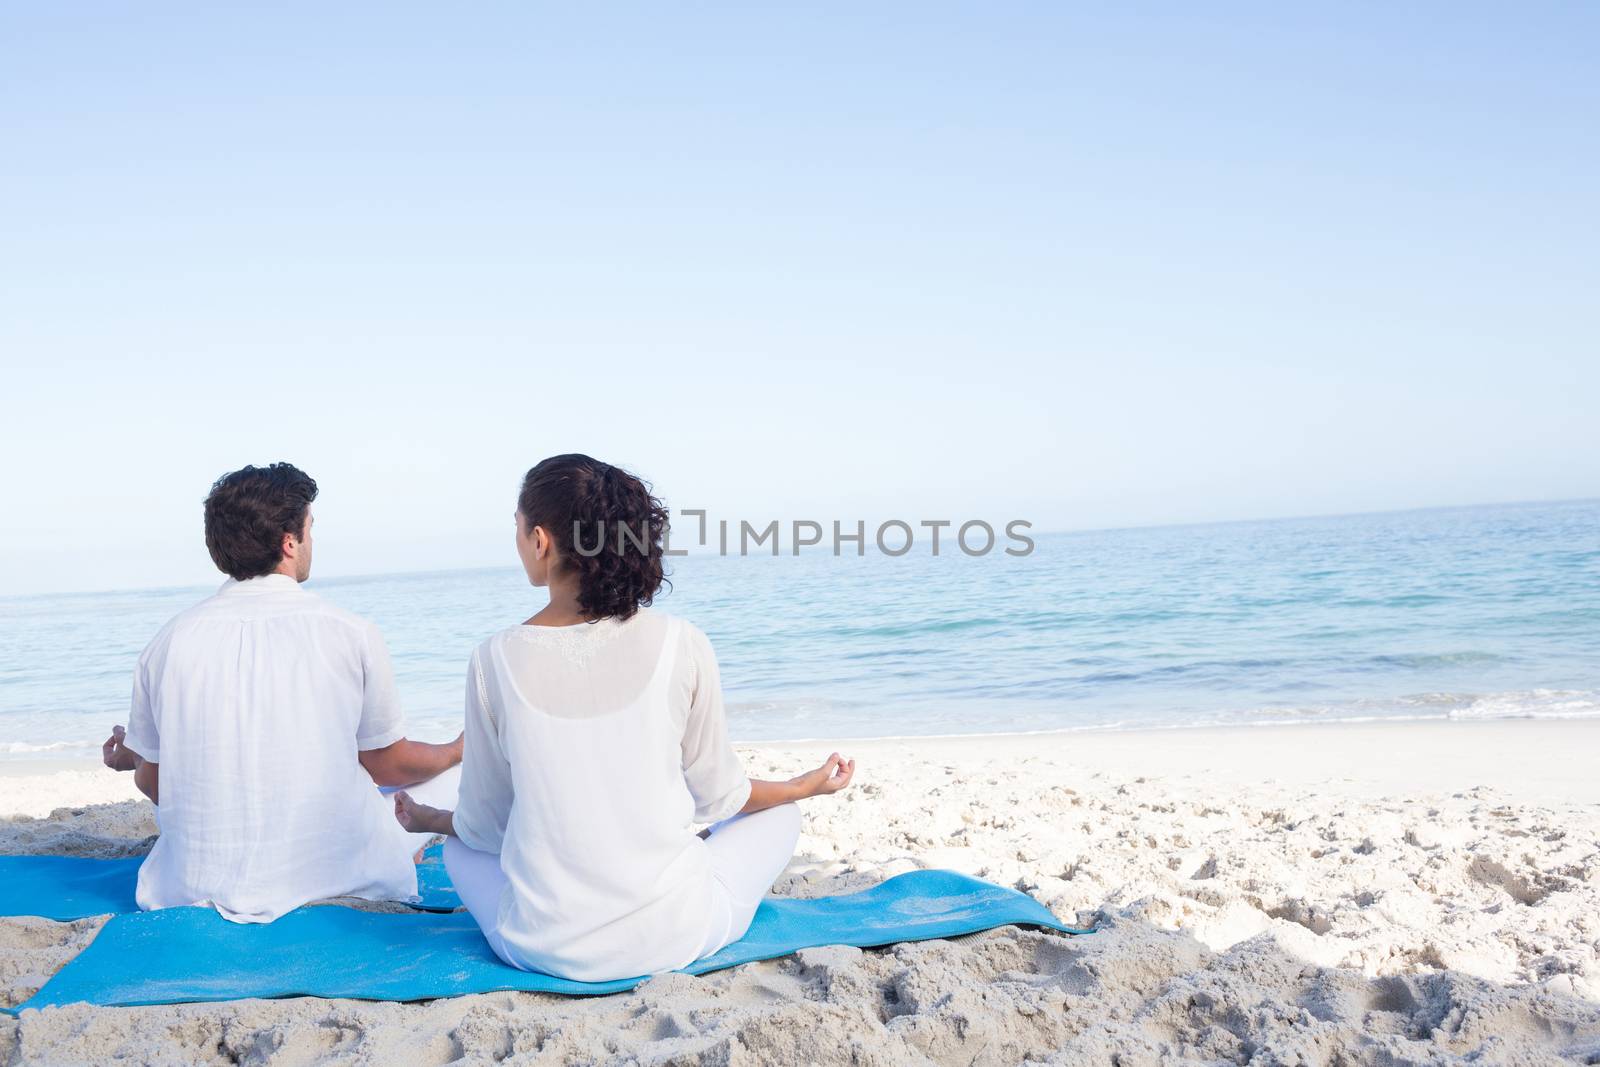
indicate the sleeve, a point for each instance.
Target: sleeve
{"x":484,"y":803}
{"x":143,"y":737}
{"x":381,"y":723}
{"x":711,"y":768}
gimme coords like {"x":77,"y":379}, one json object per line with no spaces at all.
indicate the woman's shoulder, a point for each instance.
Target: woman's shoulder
{"x":693,"y":653}
{"x":484,"y":652}
{"x":499,"y":637}
{"x":689,"y":635}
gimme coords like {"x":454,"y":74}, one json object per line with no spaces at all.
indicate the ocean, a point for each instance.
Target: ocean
{"x":1458,"y":613}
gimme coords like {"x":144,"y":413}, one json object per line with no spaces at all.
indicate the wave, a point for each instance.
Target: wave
{"x":1508,"y":704}
{"x":1533,"y":704}
{"x":769,"y":718}
{"x":1124,"y":726}
{"x":28,"y":748}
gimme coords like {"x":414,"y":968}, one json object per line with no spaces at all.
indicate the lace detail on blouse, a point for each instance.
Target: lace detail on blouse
{"x":575,"y":644}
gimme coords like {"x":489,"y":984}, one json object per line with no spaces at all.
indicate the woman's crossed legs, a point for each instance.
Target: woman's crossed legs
{"x":748,"y":852}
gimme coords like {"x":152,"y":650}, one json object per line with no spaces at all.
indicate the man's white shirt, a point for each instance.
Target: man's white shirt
{"x":255,"y":703}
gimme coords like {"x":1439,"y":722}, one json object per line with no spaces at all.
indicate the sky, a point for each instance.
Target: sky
{"x":1086,"y":265}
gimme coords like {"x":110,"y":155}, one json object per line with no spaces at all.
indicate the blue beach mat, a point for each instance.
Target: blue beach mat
{"x":67,"y":887}
{"x":185,"y":955}
{"x":74,"y":887}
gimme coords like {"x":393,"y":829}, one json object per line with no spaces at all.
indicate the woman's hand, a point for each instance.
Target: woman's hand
{"x":834,"y":775}
{"x":831,"y":777}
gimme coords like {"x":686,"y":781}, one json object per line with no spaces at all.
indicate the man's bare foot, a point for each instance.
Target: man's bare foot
{"x":420,"y":818}
{"x":115,"y":755}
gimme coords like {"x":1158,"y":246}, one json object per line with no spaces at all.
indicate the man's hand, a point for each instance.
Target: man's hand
{"x":832,"y":776}
{"x":115,"y":755}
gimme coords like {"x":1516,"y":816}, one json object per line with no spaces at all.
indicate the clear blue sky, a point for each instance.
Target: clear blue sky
{"x":1088,"y":265}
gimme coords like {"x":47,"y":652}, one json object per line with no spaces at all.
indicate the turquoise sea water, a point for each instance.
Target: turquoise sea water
{"x":1460,"y":613}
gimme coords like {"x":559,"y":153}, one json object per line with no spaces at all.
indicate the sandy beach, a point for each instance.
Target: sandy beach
{"x":1392,"y":893}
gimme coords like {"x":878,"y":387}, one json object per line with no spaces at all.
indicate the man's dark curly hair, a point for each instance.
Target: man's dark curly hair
{"x":608,"y":529}
{"x":247,"y":513}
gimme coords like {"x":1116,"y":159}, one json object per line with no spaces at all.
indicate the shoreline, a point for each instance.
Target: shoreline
{"x":1366,"y":757}
{"x":78,"y":750}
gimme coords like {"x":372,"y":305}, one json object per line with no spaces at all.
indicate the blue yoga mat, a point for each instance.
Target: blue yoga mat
{"x":73,"y":887}
{"x":67,"y":887}
{"x":184,"y":955}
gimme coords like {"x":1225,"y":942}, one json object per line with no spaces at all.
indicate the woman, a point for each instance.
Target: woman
{"x":595,"y":737}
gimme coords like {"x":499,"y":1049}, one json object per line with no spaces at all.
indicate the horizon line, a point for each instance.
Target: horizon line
{"x":689,"y":553}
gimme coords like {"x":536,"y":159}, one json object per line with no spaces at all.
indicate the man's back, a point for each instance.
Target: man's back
{"x":255,"y":704}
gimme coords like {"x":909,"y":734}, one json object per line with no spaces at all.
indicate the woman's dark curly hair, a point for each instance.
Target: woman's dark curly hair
{"x":608,"y":529}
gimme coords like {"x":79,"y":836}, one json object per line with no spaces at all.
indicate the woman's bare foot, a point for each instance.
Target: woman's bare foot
{"x":420,"y":818}
{"x":115,"y":755}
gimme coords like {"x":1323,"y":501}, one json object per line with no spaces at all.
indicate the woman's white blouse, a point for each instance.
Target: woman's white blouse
{"x":591,"y":750}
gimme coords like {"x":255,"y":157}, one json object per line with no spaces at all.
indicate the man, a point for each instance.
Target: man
{"x":263,"y":721}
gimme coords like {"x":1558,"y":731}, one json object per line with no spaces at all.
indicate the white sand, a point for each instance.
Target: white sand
{"x":1386,"y":894}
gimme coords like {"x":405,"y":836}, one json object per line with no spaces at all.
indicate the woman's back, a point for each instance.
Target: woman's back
{"x":590,"y":751}
{"x":595,"y":737}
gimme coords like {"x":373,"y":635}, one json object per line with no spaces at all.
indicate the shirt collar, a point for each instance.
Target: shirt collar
{"x":265,"y":584}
